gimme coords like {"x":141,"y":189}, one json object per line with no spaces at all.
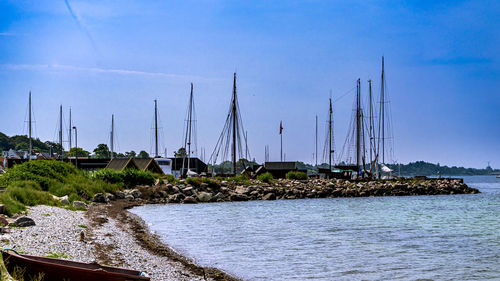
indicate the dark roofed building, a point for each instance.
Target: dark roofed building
{"x":148,"y":164}
{"x":195,"y":165}
{"x":280,"y":169}
{"x":121,"y":164}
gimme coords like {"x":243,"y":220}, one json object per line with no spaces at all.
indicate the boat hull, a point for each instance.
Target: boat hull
{"x":59,"y":270}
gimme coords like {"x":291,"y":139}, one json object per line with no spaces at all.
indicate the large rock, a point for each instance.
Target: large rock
{"x":269,"y":196}
{"x":83,"y":194}
{"x":79,"y":204}
{"x":239,"y":197}
{"x":64,"y":200}
{"x":204,"y":196}
{"x":189,"y":200}
{"x":242,"y":190}
{"x":218,"y":197}
{"x":188,"y":191}
{"x":24,"y":222}
{"x":2,"y":209}
{"x":120,"y":195}
{"x":110,"y":197}
{"x":129,"y":197}
{"x":136,"y":193}
{"x":3,"y":221}
{"x":176,"y":198}
{"x":100,"y":198}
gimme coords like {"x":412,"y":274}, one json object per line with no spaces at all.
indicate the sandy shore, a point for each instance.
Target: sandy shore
{"x":112,"y":236}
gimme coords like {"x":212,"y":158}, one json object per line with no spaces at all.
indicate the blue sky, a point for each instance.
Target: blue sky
{"x":116,"y":57}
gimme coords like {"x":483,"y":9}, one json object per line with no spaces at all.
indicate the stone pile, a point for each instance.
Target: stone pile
{"x":286,"y":189}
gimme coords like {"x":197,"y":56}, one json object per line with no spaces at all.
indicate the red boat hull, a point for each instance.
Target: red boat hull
{"x":59,"y":270}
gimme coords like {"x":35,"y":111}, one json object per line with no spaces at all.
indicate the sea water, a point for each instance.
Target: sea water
{"x":443,"y":237}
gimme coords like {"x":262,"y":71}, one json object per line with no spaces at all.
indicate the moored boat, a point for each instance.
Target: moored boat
{"x":59,"y":270}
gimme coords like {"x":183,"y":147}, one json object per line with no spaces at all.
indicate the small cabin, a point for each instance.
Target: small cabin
{"x":280,"y":169}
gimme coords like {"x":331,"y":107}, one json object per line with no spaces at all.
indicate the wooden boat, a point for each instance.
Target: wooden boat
{"x":59,"y":270}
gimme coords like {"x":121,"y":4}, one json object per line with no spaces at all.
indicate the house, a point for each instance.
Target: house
{"x":121,"y":164}
{"x":195,"y":165}
{"x":148,"y":164}
{"x":280,"y":169}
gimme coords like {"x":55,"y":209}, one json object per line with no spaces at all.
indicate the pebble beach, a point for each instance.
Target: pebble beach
{"x":74,"y":235}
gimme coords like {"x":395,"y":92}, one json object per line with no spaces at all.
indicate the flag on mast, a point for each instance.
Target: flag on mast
{"x":281,"y":128}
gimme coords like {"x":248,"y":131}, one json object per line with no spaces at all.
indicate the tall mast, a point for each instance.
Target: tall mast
{"x":316,"y":144}
{"x":381,"y":121}
{"x":70,"y":128}
{"x":372,"y":127}
{"x":112,"y":139}
{"x":330,"y":121}
{"x":358,"y":125}
{"x":156,"y":129}
{"x":29,"y":124}
{"x":234,"y":124}
{"x":246,"y":145}
{"x":190,"y":120}
{"x":60,"y":130}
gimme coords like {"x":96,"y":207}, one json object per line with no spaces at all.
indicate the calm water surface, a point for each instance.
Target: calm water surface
{"x":455,"y":237}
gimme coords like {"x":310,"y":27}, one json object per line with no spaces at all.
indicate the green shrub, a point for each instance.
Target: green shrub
{"x":266,"y":177}
{"x":210,"y":182}
{"x":193,"y":181}
{"x":241,"y":179}
{"x":107,"y":175}
{"x":43,"y":172}
{"x":132,"y":177}
{"x":294,"y":175}
{"x":170,"y":178}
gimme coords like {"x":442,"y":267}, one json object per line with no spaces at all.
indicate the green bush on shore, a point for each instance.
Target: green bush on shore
{"x":295,"y":175}
{"x":266,"y":177}
{"x":127,"y":177}
{"x":35,"y":182}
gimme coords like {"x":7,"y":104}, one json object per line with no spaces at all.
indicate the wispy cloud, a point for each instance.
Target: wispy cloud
{"x":62,"y":67}
{"x":81,"y":25}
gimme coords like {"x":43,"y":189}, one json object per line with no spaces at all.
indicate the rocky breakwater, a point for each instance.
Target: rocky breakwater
{"x":221,"y":191}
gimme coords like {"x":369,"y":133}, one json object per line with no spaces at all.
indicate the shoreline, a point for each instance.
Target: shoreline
{"x":112,"y":236}
{"x":109,"y":234}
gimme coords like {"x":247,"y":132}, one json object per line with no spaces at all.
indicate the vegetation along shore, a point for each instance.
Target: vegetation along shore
{"x":85,"y":217}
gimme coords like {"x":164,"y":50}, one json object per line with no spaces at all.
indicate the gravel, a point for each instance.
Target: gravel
{"x":59,"y":231}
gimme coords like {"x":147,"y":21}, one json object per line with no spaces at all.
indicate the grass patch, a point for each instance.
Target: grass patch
{"x":128,"y":177}
{"x":295,"y":175}
{"x":82,"y":226}
{"x":266,"y":177}
{"x":57,"y":255}
{"x":46,"y":215}
{"x":241,"y":179}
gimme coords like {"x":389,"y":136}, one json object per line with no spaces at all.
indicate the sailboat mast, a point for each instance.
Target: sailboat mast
{"x":190,"y":129}
{"x":234,"y":125}
{"x":330,"y":121}
{"x":29,"y":124}
{"x":112,"y":140}
{"x":358,"y":125}
{"x":70,"y":128}
{"x":382,"y":96}
{"x":371,"y":134}
{"x":60,"y":131}
{"x":156,"y":128}
{"x":316,"y":141}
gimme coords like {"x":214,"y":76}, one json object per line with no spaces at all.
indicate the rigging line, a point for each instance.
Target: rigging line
{"x":345,"y":94}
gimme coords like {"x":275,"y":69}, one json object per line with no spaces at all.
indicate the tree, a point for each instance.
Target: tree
{"x":143,"y":154}
{"x":181,"y":152}
{"x":102,"y":151}
{"x":78,"y":152}
{"x":130,"y":154}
